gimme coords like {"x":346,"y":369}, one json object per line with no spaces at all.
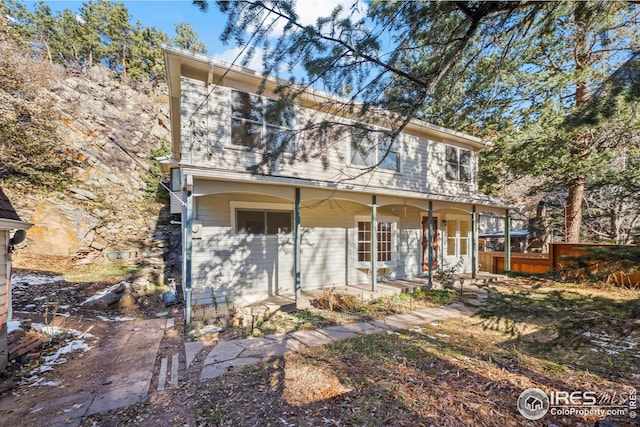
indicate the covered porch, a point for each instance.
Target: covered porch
{"x":330,"y":241}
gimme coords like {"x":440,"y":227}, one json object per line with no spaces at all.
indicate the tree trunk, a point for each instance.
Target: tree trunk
{"x":124,"y":62}
{"x":573,"y":215}
{"x":573,"y":212}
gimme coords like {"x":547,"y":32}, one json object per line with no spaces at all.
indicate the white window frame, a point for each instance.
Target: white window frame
{"x":458,"y":166}
{"x":458,"y":237}
{"x":393,"y":220}
{"x":258,"y":206}
{"x":263,"y":124}
{"x":396,"y":145}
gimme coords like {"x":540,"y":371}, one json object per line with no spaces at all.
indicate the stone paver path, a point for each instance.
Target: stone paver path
{"x":119,"y":380}
{"x":237,"y":353}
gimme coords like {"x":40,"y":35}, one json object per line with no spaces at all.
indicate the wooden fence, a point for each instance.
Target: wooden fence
{"x":534,"y":263}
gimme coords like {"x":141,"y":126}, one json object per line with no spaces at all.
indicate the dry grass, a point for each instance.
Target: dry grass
{"x":455,"y":373}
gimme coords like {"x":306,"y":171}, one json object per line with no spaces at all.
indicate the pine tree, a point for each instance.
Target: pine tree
{"x":117,"y":31}
{"x":187,"y":38}
{"x":509,"y":70}
{"x":147,"y":61}
{"x":93,"y":14}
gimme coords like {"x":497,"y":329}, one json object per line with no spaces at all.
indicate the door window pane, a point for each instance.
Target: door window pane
{"x":452,"y":228}
{"x":364,"y":241}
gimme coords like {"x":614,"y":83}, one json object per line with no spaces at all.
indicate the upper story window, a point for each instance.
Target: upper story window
{"x":458,"y":164}
{"x":258,"y":122}
{"x":370,"y":148}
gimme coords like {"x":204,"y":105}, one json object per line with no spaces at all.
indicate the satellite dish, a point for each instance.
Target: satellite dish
{"x":18,"y":237}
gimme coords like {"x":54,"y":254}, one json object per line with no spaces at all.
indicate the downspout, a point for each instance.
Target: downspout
{"x":430,"y":244}
{"x":474,"y":245}
{"x":507,"y":242}
{"x":209,"y":83}
{"x":188,"y":214}
{"x":297,"y":244}
{"x":374,"y":244}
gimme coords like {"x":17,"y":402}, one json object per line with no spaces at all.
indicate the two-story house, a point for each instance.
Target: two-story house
{"x":304,"y":226}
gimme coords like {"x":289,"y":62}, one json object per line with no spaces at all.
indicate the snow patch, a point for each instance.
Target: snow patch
{"x":13,"y":325}
{"x":605,"y":344}
{"x":57,"y":330}
{"x":56,"y":358}
{"x":105,"y":292}
{"x":20,"y":280}
{"x":115,"y":319}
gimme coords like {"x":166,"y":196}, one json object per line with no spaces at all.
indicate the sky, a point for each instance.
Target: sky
{"x":164,"y":14}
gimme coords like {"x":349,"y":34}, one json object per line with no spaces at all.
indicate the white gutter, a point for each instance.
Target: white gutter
{"x":225,"y":175}
{"x":12,"y":224}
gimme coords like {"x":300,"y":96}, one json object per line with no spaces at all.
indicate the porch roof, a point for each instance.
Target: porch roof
{"x":208,"y":176}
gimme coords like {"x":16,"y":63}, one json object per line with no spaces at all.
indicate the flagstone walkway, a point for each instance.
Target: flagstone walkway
{"x":237,"y":353}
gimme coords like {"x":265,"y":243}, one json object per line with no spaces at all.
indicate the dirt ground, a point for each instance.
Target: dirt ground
{"x":56,"y":302}
{"x":454,"y":373}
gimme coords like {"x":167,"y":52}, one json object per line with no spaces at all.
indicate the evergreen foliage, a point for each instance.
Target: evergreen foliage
{"x":612,"y":264}
{"x":535,"y":77}
{"x":187,"y":38}
{"x":99,"y":32}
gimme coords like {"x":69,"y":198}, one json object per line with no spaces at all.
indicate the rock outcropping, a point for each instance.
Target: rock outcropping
{"x":110,"y":131}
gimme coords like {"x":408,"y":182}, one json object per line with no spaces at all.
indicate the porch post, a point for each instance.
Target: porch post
{"x":374,"y":244}
{"x":507,"y":241}
{"x":474,"y":247}
{"x":430,"y":245}
{"x":188,"y":249}
{"x":297,"y":250}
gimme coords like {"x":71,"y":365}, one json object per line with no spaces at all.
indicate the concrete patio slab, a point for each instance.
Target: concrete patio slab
{"x":251,"y":343}
{"x":338,"y":332}
{"x":191,"y":350}
{"x":119,"y":397}
{"x":277,"y":349}
{"x":311,"y":338}
{"x":219,"y":369}
{"x":223,"y":351}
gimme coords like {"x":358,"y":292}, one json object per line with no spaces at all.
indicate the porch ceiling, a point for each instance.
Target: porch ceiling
{"x":218,"y":182}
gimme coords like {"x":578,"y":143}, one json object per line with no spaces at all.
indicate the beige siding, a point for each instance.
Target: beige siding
{"x":175,"y":207}
{"x":206,"y":141}
{"x":238,"y":265}
{"x":256,"y":266}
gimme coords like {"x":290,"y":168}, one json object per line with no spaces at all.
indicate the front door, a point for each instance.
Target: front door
{"x":425,"y":243}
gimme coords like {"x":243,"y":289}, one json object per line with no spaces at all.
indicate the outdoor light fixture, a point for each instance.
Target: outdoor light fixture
{"x":254,"y":313}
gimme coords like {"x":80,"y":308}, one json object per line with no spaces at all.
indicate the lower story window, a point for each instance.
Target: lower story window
{"x":458,"y":237}
{"x":384,"y":237}
{"x":251,"y":221}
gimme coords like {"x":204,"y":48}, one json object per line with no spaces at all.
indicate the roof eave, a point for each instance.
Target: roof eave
{"x":12,"y":224}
